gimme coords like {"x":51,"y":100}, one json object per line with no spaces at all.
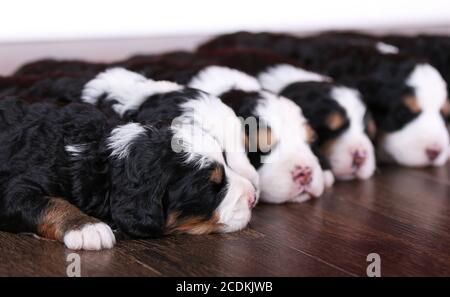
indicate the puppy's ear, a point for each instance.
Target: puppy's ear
{"x":139,"y":183}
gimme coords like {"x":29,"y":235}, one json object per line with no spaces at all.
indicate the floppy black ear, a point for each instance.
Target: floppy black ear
{"x":139,"y":184}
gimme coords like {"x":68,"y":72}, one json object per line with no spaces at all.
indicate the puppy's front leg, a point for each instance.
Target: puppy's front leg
{"x":64,"y":222}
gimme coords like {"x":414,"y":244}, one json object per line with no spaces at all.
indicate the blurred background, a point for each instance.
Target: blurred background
{"x":100,"y":30}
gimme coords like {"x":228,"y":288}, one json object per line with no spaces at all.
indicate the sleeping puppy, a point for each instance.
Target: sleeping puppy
{"x":119,"y":92}
{"x":406,"y":95}
{"x":336,"y":112}
{"x":71,"y":174}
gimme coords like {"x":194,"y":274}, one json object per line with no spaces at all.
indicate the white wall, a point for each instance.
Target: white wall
{"x":40,"y":20}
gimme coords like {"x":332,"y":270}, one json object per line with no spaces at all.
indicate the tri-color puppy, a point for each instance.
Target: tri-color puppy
{"x":406,"y":95}
{"x":71,"y":174}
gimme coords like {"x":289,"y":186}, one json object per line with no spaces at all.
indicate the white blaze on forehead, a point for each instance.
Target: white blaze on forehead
{"x":122,"y":137}
{"x":128,"y":88}
{"x":385,"y":48}
{"x":350,"y":100}
{"x":352,"y":139}
{"x":429,"y":87}
{"x":277,"y":77}
{"x":217,"y":80}
{"x":288,"y":126}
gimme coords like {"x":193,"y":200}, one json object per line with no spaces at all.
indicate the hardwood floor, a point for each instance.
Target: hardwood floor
{"x":401,"y":214}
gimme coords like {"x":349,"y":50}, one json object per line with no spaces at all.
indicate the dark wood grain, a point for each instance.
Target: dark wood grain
{"x":402,"y":214}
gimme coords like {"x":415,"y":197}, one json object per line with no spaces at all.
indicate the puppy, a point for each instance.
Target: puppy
{"x":70,"y":174}
{"x":406,"y":95}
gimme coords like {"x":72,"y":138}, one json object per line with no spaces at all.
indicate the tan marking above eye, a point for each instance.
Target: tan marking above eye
{"x":445,"y":109}
{"x":217,"y":175}
{"x":335,"y":121}
{"x":311,"y":135}
{"x":412,"y":104}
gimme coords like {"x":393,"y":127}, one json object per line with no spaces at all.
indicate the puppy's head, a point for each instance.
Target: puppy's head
{"x":278,"y":143}
{"x":341,"y":120}
{"x":410,"y":113}
{"x":167,"y":181}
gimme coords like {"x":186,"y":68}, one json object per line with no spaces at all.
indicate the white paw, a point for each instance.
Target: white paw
{"x":328,"y":178}
{"x":90,"y":237}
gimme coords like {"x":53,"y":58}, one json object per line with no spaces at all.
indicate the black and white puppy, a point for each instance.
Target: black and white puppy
{"x":336,"y":112}
{"x":406,"y":95}
{"x":65,"y":172}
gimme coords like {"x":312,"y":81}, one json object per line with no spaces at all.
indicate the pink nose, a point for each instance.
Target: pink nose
{"x":302,"y":175}
{"x":251,"y":200}
{"x":359,"y":157}
{"x":432,"y":153}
